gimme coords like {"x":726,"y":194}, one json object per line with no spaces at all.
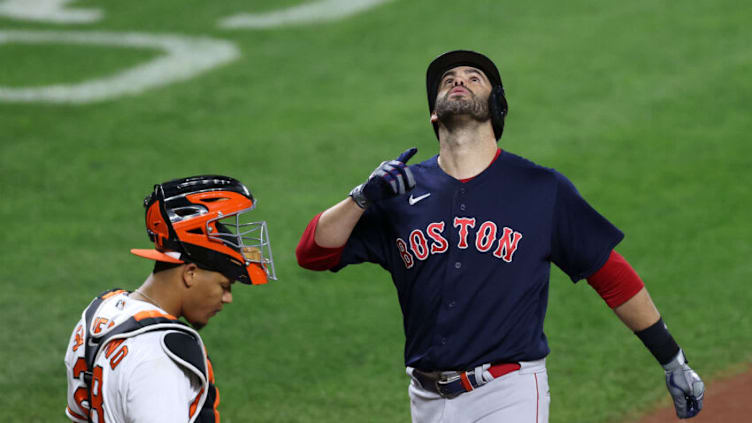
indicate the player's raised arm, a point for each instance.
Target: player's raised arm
{"x":329,"y":231}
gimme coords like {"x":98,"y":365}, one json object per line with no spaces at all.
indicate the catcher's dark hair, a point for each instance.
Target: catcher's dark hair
{"x":163,"y":265}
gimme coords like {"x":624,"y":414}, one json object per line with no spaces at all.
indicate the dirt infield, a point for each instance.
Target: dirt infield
{"x":727,"y":400}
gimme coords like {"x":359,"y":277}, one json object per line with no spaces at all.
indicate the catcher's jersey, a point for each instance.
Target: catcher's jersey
{"x":143,"y":369}
{"x":471,"y":261}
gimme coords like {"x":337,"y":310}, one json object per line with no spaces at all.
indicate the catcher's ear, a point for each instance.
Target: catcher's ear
{"x":434,"y":117}
{"x":189,"y":274}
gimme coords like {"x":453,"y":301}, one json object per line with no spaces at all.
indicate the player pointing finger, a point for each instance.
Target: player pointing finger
{"x":469,"y":251}
{"x":388,"y":180}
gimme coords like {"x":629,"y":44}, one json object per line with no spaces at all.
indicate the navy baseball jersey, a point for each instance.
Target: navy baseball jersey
{"x":471,"y":261}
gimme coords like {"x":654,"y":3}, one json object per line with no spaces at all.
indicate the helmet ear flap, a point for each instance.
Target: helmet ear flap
{"x":497,"y":105}
{"x":158,"y":225}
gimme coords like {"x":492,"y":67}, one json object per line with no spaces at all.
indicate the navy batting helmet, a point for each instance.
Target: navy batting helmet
{"x":497,"y":102}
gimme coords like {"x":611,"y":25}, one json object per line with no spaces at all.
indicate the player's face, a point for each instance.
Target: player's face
{"x":208,"y":294}
{"x":463,"y":90}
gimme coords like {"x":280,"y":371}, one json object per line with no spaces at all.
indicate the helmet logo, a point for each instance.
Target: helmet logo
{"x":252,"y":254}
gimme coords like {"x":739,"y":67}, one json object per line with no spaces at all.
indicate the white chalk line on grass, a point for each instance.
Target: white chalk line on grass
{"x":60,"y":11}
{"x":53,"y":11}
{"x":308,"y":13}
{"x":184,"y":58}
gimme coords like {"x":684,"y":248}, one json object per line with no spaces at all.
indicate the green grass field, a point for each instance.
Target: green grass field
{"x":644,"y":105}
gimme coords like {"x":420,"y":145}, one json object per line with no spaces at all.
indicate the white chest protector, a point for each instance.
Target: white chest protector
{"x":129,"y":361}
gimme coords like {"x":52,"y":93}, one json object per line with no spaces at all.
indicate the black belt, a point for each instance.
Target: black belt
{"x":450,"y":384}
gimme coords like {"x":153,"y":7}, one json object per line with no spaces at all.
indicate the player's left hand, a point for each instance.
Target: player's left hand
{"x":686,"y":388}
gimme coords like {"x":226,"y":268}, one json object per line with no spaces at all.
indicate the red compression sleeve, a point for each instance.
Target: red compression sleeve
{"x":616,"y":282}
{"x":310,"y":255}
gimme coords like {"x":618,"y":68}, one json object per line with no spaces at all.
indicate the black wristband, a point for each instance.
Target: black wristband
{"x":659,"y":341}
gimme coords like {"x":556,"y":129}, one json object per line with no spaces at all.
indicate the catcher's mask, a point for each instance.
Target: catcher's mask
{"x":497,"y":102}
{"x":204,"y":220}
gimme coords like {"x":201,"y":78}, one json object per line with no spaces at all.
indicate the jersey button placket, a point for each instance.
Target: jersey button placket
{"x":460,"y":200}
{"x":453,"y":280}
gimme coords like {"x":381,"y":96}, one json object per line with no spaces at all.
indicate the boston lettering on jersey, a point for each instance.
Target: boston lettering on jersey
{"x":504,"y":242}
{"x":471,"y":261}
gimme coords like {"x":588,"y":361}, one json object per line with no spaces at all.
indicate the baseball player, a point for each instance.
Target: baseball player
{"x":468,"y":237}
{"x":129,"y":358}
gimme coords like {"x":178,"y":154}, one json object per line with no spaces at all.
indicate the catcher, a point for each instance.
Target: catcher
{"x":129,"y":358}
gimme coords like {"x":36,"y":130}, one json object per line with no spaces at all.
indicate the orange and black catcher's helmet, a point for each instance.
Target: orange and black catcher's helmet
{"x":204,"y":220}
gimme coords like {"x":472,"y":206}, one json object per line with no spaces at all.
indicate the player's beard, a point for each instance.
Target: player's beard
{"x":447,"y":109}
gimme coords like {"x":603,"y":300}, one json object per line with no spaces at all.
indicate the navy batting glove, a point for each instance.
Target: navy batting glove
{"x":685,"y":387}
{"x":388,"y":180}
